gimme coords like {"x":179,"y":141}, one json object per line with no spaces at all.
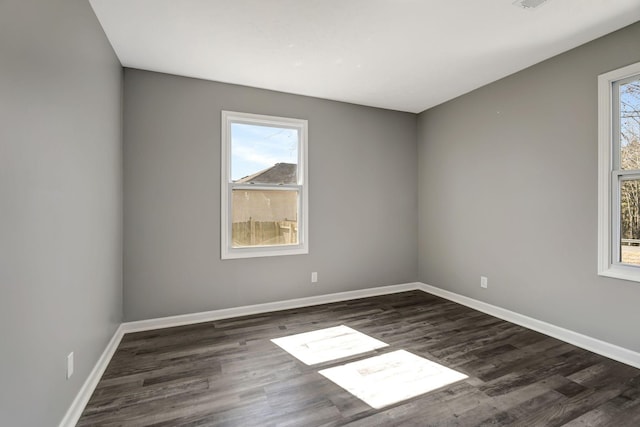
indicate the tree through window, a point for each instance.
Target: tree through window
{"x":619,"y":188}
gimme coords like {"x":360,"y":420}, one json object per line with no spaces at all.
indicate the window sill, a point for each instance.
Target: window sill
{"x":621,"y":272}
{"x":263,"y":252}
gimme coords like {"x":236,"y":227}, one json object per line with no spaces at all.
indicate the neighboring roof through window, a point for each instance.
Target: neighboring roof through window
{"x":280,"y":173}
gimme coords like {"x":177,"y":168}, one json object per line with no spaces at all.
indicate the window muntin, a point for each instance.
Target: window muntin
{"x":619,"y":173}
{"x":264,"y":186}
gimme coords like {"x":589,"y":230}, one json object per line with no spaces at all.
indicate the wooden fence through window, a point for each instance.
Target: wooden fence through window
{"x":264,"y":233}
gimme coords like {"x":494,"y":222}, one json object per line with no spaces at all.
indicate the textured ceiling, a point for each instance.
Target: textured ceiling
{"x":406,"y":55}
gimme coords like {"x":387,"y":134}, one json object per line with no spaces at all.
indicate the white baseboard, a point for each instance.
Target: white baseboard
{"x":226,"y":313}
{"x":82,"y":398}
{"x":602,"y":348}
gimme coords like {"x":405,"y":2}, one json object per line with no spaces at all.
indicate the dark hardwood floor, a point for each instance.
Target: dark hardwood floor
{"x":229,"y":373}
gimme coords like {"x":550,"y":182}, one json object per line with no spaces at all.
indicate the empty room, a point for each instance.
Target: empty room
{"x":319,"y":213}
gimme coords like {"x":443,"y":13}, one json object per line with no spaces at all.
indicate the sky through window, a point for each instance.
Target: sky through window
{"x":255,"y":148}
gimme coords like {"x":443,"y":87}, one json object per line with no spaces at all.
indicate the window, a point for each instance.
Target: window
{"x":264,"y":186}
{"x":619,"y":173}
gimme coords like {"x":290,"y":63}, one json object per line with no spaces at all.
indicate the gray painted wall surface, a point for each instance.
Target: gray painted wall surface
{"x":60,"y":204}
{"x":363,"y":198}
{"x":508,"y":189}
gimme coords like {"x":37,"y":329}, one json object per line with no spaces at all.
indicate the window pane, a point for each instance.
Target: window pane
{"x":629,"y":97}
{"x":264,"y":217}
{"x":264,"y":154}
{"x":630,"y":221}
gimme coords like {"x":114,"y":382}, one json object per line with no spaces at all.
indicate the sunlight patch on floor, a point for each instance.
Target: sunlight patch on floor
{"x":327,"y":344}
{"x":392,"y":377}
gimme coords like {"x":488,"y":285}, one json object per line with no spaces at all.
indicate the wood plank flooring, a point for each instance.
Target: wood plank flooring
{"x":229,"y":373}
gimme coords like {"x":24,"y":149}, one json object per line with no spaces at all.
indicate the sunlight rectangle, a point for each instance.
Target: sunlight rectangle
{"x":327,"y":344}
{"x":392,"y":377}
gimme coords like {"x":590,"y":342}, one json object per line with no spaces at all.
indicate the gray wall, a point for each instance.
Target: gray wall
{"x":60,"y":204}
{"x":508,"y":189}
{"x":363,"y":198}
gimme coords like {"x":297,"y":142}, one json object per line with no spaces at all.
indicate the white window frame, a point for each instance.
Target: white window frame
{"x":227,"y":249}
{"x":609,"y":175}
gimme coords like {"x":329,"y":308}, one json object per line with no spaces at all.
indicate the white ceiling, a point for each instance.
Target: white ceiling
{"x":406,"y":55}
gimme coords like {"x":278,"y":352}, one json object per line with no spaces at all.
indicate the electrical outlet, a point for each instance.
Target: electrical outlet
{"x":69,"y":365}
{"x":314,"y":277}
{"x":484,"y":282}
